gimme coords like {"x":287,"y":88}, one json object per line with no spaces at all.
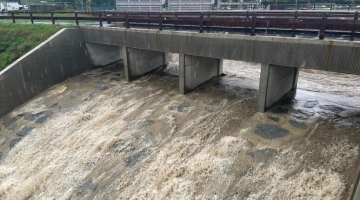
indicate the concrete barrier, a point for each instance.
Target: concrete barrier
{"x":58,"y":58}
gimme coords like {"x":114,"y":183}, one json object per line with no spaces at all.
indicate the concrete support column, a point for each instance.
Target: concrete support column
{"x":195,"y":70}
{"x":139,"y":61}
{"x":275,"y":82}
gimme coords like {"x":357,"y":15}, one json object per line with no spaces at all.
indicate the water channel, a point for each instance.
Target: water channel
{"x":96,"y":136}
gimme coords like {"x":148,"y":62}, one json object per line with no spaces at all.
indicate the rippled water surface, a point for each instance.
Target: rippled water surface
{"x":96,"y":136}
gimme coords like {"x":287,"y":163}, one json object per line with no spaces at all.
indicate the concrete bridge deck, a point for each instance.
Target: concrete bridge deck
{"x":327,"y":55}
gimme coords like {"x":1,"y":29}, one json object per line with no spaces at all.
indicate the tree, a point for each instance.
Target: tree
{"x":88,"y":4}
{"x":67,"y":6}
{"x":79,"y":3}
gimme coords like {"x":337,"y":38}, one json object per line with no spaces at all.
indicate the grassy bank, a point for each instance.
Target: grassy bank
{"x":18,"y":39}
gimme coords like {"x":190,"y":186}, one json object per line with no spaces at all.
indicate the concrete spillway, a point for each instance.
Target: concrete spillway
{"x":97,"y":136}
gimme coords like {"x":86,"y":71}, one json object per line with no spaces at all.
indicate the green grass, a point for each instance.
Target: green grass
{"x":18,"y":39}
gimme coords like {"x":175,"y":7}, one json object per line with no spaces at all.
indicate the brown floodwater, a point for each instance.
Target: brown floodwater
{"x":96,"y":136}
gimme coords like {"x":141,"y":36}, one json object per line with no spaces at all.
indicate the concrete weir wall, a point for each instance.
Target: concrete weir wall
{"x":60,"y":57}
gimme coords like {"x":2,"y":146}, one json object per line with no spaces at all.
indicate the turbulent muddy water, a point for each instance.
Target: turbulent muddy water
{"x":96,"y":136}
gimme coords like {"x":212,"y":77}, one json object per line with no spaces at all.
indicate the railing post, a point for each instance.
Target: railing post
{"x":253,"y":23}
{"x":127,"y":24}
{"x":176,"y":18}
{"x":247,"y":18}
{"x":356,"y":17}
{"x":100,"y":19}
{"x":296,"y":13}
{"x":160,"y":21}
{"x":52,"y":18}
{"x":76,"y":19}
{"x":13,"y":17}
{"x":323,"y":26}
{"x":31,"y":18}
{"x":201,"y":22}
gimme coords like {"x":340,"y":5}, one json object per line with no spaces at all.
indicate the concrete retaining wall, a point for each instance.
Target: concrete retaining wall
{"x":60,"y":57}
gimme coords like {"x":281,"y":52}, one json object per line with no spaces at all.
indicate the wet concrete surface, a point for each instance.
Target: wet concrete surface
{"x":143,"y":140}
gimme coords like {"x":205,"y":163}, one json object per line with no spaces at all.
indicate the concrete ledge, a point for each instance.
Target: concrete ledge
{"x":58,"y":58}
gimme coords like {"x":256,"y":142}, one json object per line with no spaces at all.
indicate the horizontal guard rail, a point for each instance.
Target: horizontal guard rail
{"x":252,"y":20}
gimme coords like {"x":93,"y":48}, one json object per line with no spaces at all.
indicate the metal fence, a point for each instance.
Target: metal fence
{"x":320,"y":21}
{"x":319,"y":7}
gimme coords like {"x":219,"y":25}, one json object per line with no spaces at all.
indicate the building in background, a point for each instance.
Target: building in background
{"x":140,"y":5}
{"x":190,"y":5}
{"x":238,"y":5}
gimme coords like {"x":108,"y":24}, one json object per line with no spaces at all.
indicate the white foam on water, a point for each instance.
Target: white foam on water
{"x":182,"y":169}
{"x":52,"y":159}
{"x":35,"y":106}
{"x":290,"y":177}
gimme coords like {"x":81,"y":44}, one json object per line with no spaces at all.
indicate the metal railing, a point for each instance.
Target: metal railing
{"x":347,"y":22}
{"x":318,"y":6}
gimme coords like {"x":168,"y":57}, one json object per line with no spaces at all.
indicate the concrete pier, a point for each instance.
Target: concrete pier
{"x":275,"y":82}
{"x":139,"y":61}
{"x":195,"y":70}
